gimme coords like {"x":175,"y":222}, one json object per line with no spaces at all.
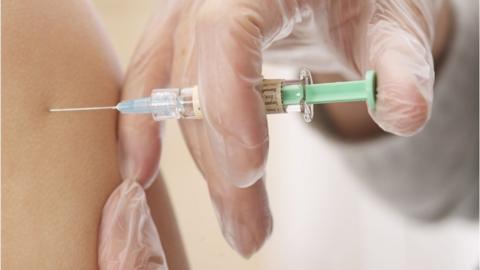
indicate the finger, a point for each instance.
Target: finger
{"x":229,"y":73}
{"x":399,"y":50}
{"x":128,"y":237}
{"x":243,"y":213}
{"x":229,"y":69}
{"x":139,"y":136}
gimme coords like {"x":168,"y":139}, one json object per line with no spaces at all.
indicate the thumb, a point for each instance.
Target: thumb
{"x":399,"y":49}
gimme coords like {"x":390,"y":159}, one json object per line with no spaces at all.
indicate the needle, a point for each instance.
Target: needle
{"x":84,"y":109}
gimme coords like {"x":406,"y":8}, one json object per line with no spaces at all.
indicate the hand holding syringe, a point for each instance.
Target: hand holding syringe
{"x":279,"y":96}
{"x":221,"y":46}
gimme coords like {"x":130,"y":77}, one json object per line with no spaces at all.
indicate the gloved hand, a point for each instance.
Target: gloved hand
{"x":219,"y":44}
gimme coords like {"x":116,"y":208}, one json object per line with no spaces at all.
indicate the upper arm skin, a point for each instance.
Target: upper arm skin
{"x":57,"y":168}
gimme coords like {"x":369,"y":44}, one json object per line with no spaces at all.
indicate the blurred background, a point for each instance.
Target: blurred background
{"x":323,"y":217}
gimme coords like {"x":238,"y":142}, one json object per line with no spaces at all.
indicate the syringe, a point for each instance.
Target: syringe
{"x":279,"y":96}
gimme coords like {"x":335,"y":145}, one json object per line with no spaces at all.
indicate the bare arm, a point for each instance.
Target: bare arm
{"x":59,"y":168}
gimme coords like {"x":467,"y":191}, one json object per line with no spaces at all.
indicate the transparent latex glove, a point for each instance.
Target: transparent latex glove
{"x":392,"y":37}
{"x":166,"y":56}
{"x":218,"y":45}
{"x":128,"y":237}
